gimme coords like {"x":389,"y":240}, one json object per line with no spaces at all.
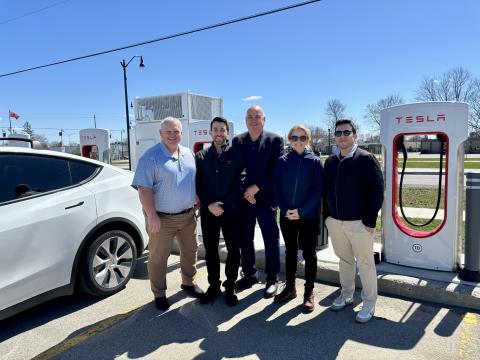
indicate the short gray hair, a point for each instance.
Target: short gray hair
{"x":170,"y":120}
{"x":257,"y":108}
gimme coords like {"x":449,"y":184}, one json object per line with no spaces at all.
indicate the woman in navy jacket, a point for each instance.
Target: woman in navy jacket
{"x":297,"y":188}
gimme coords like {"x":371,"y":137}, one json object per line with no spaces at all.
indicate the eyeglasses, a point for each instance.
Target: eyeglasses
{"x":339,"y":133}
{"x":302,"y":138}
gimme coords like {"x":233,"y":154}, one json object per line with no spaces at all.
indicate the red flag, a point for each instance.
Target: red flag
{"x":14,"y":115}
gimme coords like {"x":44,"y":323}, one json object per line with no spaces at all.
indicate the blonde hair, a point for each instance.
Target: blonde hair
{"x":305,"y":129}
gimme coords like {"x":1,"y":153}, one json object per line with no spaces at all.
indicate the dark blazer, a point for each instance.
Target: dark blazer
{"x":261,"y":172}
{"x":219,"y":177}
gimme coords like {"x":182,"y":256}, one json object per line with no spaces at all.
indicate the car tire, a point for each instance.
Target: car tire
{"x":107,"y":264}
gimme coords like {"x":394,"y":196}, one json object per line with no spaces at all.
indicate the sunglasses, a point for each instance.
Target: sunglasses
{"x":339,"y":133}
{"x":302,"y":138}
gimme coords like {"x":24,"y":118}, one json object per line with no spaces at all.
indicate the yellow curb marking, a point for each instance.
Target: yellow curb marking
{"x":470,"y":318}
{"x":69,"y":343}
{"x":466,"y":351}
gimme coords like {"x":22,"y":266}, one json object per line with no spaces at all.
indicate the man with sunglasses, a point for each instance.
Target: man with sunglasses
{"x":354,"y":194}
{"x":261,"y":150}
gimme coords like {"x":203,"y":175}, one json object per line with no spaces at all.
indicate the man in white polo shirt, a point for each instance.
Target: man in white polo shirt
{"x":165,"y":177}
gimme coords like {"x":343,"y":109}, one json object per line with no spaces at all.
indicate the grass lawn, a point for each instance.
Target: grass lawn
{"x":428,"y":227}
{"x":427,"y":163}
{"x":421,"y":198}
{"x":435,"y":164}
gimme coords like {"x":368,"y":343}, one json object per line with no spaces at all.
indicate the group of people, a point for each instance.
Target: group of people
{"x":255,"y":179}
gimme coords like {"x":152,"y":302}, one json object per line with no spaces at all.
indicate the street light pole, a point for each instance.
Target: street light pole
{"x":124,"y":66}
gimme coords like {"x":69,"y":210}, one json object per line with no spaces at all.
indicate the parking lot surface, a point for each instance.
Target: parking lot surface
{"x":128,"y":326}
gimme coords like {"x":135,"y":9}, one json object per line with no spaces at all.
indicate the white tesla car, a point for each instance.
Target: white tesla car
{"x":66,"y":222}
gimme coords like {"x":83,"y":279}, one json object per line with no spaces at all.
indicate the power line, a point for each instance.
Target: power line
{"x":82,"y":117}
{"x":32,"y":12}
{"x":209,"y":27}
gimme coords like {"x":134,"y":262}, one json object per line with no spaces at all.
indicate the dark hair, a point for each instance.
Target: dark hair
{"x":346,"y":122}
{"x":220,"y":120}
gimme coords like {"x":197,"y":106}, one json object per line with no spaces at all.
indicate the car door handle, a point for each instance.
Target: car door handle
{"x":79,"y":204}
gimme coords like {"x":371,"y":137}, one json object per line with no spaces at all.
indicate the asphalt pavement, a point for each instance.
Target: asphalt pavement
{"x":128,"y":326}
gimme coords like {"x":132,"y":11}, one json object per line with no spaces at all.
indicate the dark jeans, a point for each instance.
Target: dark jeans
{"x":267,"y":219}
{"x":211,"y":225}
{"x":300,"y":234}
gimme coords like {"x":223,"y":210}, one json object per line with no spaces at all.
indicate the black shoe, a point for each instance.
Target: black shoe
{"x":226,"y":284}
{"x":230,"y":298}
{"x":162,"y":303}
{"x":246,"y":282}
{"x":210,"y":295}
{"x":270,"y":290}
{"x":193,"y":290}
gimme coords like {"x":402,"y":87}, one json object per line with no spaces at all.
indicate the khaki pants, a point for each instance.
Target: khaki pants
{"x":352,"y":241}
{"x":184,"y":228}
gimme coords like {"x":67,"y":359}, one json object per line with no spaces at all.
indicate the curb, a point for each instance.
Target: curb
{"x":409,"y":287}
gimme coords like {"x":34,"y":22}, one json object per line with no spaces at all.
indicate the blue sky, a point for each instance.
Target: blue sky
{"x":356,"y":51}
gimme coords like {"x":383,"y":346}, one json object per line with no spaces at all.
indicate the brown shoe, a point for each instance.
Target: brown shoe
{"x":308,"y":301}
{"x":287,"y":294}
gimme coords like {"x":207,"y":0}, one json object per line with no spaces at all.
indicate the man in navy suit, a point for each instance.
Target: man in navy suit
{"x":261,"y":150}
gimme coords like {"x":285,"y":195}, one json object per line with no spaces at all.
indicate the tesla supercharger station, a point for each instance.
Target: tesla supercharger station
{"x":95,"y":144}
{"x":443,"y":124}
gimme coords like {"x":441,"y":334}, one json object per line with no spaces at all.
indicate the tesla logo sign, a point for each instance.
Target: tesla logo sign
{"x":420,"y":118}
{"x":88,"y":137}
{"x":417,"y":248}
{"x":200,"y":132}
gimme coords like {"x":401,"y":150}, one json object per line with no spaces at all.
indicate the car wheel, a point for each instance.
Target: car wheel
{"x":108,"y":263}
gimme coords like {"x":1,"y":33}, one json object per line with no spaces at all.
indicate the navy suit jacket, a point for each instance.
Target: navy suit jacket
{"x":269,"y":150}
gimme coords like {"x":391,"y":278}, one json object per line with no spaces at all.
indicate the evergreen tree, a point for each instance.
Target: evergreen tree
{"x":27,"y":128}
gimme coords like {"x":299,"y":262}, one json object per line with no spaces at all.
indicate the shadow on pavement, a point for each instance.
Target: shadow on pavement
{"x":216,"y":331}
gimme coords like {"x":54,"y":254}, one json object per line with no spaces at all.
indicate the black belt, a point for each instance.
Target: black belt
{"x":178,"y":213}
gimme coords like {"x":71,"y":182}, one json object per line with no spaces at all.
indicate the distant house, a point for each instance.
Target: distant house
{"x":471,"y":145}
{"x":430,"y":146}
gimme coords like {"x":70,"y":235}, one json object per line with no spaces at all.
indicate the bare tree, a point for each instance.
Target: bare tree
{"x":457,"y":84}
{"x":474,"y":118}
{"x":54,"y":143}
{"x":373,"y":110}
{"x":427,"y":90}
{"x":462,"y":84}
{"x":42,"y":139}
{"x":319,"y":138}
{"x":335,"y":111}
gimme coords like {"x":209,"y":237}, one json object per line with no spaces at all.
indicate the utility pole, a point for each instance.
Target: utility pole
{"x":121,"y":143}
{"x":10,"y":121}
{"x":94,"y":121}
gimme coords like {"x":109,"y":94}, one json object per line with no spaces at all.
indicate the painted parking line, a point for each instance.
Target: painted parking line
{"x":71,"y":342}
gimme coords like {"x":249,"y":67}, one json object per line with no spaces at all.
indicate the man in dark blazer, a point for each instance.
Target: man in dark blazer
{"x":261,"y":150}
